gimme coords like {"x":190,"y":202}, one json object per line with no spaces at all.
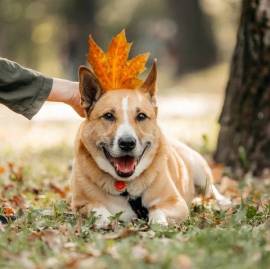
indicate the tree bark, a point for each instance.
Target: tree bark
{"x":244,"y":138}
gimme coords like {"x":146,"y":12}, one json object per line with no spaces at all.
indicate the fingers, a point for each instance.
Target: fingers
{"x":75,"y":102}
{"x":68,"y":92}
{"x":79,"y":110}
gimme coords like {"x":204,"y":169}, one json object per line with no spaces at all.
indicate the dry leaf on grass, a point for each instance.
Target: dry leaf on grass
{"x":51,"y":237}
{"x":229,"y":187}
{"x":18,"y":201}
{"x":8,"y":211}
{"x":63,"y":192}
{"x":15,"y":172}
{"x":123,"y":233}
{"x":217,"y":171}
{"x":141,"y":253}
{"x":183,"y":261}
{"x":2,"y":170}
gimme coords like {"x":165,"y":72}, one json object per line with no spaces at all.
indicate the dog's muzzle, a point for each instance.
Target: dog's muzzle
{"x":126,"y":164}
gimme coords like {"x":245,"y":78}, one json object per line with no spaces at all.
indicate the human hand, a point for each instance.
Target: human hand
{"x":67,"y":92}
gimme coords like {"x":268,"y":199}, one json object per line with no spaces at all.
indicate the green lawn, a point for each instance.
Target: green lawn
{"x":47,"y":235}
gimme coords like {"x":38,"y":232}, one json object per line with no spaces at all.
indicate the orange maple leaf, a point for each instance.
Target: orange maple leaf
{"x":8,"y":211}
{"x":112,"y":68}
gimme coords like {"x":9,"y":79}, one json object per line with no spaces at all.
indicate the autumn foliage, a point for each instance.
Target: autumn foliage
{"x":113,"y":68}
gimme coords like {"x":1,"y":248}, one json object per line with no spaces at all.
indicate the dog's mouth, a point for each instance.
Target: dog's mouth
{"x":124,"y":165}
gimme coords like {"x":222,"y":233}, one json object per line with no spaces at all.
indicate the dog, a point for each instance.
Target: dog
{"x":125,"y":163}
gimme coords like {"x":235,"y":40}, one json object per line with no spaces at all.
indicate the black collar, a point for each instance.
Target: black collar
{"x":136,"y":205}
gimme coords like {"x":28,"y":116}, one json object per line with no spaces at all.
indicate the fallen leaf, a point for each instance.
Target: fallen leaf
{"x":57,"y":189}
{"x":183,"y":262}
{"x":8,"y":211}
{"x":2,"y":170}
{"x":123,"y":233}
{"x":92,"y":251}
{"x":217,"y":171}
{"x":229,"y":187}
{"x":18,"y":201}
{"x":16,"y":173}
{"x":139,"y":252}
{"x":50,"y":237}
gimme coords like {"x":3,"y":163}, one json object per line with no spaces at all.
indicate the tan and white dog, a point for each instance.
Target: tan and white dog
{"x":121,"y":149}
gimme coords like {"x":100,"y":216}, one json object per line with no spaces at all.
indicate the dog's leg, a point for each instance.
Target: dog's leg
{"x":169,"y":211}
{"x":203,"y":179}
{"x":103,"y":217}
{"x":100,"y":211}
{"x":157,"y":216}
{"x":205,"y":182}
{"x":201,"y":173}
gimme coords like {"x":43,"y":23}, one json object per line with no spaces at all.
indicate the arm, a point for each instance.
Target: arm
{"x":68,"y":92}
{"x":24,"y":90}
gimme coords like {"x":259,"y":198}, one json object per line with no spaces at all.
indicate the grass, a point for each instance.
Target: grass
{"x":46,"y":234}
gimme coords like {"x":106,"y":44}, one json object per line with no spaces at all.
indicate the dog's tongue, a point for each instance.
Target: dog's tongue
{"x":125,"y":165}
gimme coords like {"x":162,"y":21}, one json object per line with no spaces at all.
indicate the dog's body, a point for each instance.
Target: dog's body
{"x":120,"y":141}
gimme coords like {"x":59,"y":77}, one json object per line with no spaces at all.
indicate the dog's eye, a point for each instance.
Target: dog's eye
{"x":108,"y":116}
{"x":141,"y":117}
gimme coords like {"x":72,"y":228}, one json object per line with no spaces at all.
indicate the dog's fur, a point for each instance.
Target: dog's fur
{"x":166,"y":173}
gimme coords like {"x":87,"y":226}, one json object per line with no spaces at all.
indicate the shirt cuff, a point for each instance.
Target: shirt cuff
{"x":39,"y":99}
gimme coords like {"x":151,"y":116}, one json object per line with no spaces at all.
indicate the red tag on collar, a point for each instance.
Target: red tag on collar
{"x":120,"y":185}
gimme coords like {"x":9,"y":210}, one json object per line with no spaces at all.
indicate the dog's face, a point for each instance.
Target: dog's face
{"x":120,"y":131}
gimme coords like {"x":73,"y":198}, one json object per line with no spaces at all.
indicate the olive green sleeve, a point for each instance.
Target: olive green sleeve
{"x":22,"y":90}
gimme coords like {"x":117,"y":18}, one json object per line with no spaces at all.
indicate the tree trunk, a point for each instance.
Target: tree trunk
{"x":80,"y":19}
{"x":195,"y":46}
{"x":244,"y":138}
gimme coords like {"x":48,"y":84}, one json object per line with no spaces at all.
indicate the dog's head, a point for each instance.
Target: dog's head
{"x":120,"y":131}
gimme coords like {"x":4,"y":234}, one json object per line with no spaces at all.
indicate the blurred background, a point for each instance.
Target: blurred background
{"x":193,"y":41}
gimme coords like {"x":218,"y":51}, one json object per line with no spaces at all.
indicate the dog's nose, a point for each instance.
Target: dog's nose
{"x":127,"y":143}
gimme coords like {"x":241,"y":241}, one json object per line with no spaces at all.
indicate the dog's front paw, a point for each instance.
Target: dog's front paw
{"x":224,"y":202}
{"x":157,"y":216}
{"x":103,"y":217}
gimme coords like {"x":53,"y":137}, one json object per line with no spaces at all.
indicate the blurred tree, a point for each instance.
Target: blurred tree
{"x":244,"y":138}
{"x":80,"y":21}
{"x":194,"y":45}
{"x":11,"y":13}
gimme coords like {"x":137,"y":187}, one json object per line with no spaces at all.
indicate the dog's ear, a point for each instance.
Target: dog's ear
{"x":150,"y":83}
{"x":90,"y":88}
